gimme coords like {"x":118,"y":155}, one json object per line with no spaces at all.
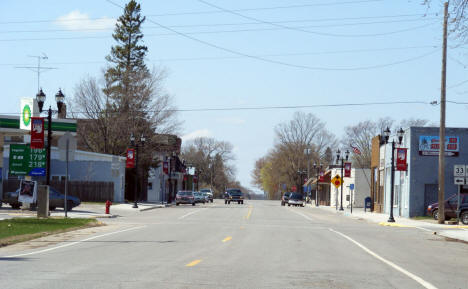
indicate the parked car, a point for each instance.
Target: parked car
{"x":56,"y":200}
{"x":233,"y":195}
{"x":209,"y":193}
{"x":185,"y":197}
{"x":296,"y":199}
{"x":285,"y":198}
{"x":450,"y":207}
{"x":199,"y":197}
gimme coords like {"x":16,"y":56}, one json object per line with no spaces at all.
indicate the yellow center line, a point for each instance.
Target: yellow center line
{"x":193,"y":263}
{"x":249,"y":213}
{"x":227,"y":239}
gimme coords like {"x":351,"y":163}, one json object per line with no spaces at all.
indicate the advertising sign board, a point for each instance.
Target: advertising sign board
{"x":28,"y":192}
{"x":401,"y":164}
{"x":27,"y":161}
{"x":429,"y":145}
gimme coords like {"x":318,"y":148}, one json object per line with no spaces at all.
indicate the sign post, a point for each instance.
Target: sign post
{"x":459,"y":175}
{"x":351,"y":189}
{"x":67,"y":146}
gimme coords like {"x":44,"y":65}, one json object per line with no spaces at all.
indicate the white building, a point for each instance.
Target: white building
{"x":360,"y":178}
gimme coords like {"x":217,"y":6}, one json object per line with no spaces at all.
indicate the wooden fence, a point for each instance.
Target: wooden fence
{"x":85,"y":191}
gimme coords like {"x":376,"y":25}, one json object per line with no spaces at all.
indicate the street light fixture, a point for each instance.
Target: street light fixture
{"x":400,"y":133}
{"x":59,"y":98}
{"x":318,"y":169}
{"x":338,"y":158}
{"x":137,"y":147}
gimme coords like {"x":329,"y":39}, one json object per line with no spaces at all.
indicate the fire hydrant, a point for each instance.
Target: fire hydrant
{"x":108,"y":204}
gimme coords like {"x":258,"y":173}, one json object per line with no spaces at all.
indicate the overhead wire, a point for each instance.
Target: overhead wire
{"x":309,"y":31}
{"x":185,"y":35}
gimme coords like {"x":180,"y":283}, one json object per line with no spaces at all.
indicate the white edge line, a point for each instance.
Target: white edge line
{"x":73,"y":243}
{"x":191,"y":213}
{"x":418,"y":279}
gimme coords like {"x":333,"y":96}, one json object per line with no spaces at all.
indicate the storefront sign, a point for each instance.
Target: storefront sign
{"x":130,"y":163}
{"x":347,"y":170}
{"x":429,"y":145}
{"x":401,"y":164}
{"x":37,"y":133}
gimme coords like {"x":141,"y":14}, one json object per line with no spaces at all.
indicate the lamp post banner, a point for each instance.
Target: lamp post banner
{"x":347,"y":170}
{"x":166,"y":167}
{"x":130,"y":163}
{"x":401,"y":164}
{"x":37,"y":133}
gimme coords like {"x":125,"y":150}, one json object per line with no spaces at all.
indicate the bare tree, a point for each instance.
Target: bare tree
{"x":458,"y":10}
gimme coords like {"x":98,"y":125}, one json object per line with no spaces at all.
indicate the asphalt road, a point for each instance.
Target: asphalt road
{"x":256,"y":245}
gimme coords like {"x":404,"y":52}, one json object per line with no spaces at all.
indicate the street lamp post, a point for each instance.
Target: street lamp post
{"x":137,"y":147}
{"x":318,"y":169}
{"x":307,"y":152}
{"x":59,"y":98}
{"x":338,"y":158}
{"x":392,"y":178}
{"x":302,"y":173}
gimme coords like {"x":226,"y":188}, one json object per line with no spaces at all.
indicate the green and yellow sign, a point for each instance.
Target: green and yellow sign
{"x":25,"y":161}
{"x":27,"y":111}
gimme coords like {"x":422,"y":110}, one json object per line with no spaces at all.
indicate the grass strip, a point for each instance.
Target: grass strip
{"x":23,"y":229}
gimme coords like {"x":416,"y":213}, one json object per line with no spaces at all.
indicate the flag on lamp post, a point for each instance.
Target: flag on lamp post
{"x":355,"y":149}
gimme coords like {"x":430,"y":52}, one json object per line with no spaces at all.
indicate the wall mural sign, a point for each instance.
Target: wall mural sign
{"x":429,"y":145}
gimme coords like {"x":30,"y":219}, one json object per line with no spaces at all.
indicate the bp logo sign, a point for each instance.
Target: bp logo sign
{"x":27,"y":111}
{"x":26,"y":115}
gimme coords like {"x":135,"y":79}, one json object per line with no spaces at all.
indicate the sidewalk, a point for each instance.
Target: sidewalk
{"x":459,"y":232}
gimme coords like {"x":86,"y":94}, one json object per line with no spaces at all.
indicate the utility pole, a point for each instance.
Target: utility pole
{"x":441,"y":193}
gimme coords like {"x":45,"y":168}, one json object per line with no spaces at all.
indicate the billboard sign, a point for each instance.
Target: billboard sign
{"x":429,"y":145}
{"x":26,"y":161}
{"x":28,"y":192}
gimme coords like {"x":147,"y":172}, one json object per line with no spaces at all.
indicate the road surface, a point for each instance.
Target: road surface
{"x":256,"y":245}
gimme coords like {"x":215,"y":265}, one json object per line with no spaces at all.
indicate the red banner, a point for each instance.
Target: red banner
{"x":293,"y":188}
{"x":401,"y":164}
{"x":347,"y":170}
{"x":130,"y":164}
{"x":37,"y":132}
{"x":195,"y":179}
{"x":166,"y":167}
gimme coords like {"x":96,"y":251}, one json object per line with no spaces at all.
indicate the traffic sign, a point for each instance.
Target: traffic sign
{"x":459,"y":170}
{"x":67,"y":142}
{"x":336,"y":181}
{"x":351,"y":187}
{"x":459,"y":181}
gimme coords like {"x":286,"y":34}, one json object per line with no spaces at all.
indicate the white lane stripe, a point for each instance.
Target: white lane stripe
{"x":303,"y":215}
{"x":72,"y":243}
{"x":424,"y":229}
{"x":421,"y":281}
{"x":191,"y":213}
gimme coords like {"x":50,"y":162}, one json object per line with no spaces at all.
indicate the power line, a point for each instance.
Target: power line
{"x":239,"y":24}
{"x":306,"y":31}
{"x":275,"y":61}
{"x":240,"y":57}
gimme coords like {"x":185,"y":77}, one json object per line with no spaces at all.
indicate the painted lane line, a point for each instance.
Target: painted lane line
{"x":193,"y":263}
{"x":227,"y":239}
{"x":190,"y":213}
{"x":249,"y":213}
{"x":418,"y":279}
{"x":303,"y":215}
{"x":73,"y":243}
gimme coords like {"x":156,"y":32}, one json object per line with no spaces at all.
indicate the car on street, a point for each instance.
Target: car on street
{"x":296,"y":199}
{"x":56,"y":200}
{"x":199,"y":197}
{"x":185,"y":197}
{"x":285,"y":198}
{"x":233,"y":195}
{"x":209,"y":193}
{"x":450,"y":206}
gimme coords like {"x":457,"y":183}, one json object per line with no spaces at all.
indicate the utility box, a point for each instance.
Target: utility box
{"x":43,"y":201}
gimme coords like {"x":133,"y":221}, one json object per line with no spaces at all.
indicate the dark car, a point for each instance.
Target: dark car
{"x":285,"y":198}
{"x":185,"y":197}
{"x":56,"y":200}
{"x":450,"y":207}
{"x":296,"y":199}
{"x":233,"y":195}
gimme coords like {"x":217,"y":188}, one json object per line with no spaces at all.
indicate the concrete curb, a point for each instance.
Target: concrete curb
{"x":152,"y":208}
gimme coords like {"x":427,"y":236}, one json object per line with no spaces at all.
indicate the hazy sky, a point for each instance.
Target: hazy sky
{"x":338,"y":51}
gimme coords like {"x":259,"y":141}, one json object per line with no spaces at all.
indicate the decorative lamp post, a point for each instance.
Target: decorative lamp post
{"x":137,"y":147}
{"x":338,"y":158}
{"x":59,"y":98}
{"x":392,"y":178}
{"x":302,"y":173}
{"x":318,"y":169}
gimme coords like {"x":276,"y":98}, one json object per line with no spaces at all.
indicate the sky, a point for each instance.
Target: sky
{"x":238,"y":54}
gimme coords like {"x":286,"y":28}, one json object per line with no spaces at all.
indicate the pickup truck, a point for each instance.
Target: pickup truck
{"x":233,"y":195}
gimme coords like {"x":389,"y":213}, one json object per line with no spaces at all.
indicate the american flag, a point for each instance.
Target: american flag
{"x":355,"y":149}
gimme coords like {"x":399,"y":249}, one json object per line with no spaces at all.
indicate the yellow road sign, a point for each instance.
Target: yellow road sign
{"x":336,"y":181}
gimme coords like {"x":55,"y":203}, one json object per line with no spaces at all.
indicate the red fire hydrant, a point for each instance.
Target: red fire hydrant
{"x":108,"y":204}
